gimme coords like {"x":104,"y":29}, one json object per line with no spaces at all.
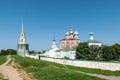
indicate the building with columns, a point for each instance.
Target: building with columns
{"x":22,"y":46}
{"x":70,"y":41}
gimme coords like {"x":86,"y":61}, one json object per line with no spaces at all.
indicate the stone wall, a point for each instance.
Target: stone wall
{"x":79,"y":63}
{"x":88,"y":64}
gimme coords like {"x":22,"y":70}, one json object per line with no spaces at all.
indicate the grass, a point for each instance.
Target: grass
{"x":2,"y":59}
{"x":43,"y":70}
{"x":90,"y":70}
{"x":97,"y":71}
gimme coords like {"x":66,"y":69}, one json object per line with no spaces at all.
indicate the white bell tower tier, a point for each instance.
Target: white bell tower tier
{"x":91,"y":36}
{"x":22,"y":35}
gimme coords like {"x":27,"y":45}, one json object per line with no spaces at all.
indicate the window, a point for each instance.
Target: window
{"x":22,"y":35}
{"x":21,"y":40}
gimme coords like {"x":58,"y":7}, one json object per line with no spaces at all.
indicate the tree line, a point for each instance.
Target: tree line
{"x":13,"y":52}
{"x":103,"y":53}
{"x":8,"y":52}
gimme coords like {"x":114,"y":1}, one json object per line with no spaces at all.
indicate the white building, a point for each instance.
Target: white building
{"x":93,"y":42}
{"x":55,"y":52}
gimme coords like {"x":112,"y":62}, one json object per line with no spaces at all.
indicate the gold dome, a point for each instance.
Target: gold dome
{"x":71,"y":31}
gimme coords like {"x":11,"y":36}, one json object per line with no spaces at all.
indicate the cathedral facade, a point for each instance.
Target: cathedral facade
{"x":70,"y":41}
{"x":22,"y":46}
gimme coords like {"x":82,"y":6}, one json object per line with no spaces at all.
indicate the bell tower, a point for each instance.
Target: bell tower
{"x":91,"y":36}
{"x":22,"y":46}
{"x":54,"y":44}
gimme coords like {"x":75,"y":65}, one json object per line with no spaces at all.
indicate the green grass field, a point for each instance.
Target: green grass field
{"x":43,"y":70}
{"x":2,"y":59}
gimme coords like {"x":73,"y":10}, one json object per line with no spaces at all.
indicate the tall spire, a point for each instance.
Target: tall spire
{"x":22,"y":26}
{"x":53,"y":38}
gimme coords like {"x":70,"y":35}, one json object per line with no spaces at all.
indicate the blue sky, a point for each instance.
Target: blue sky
{"x":44,"y":19}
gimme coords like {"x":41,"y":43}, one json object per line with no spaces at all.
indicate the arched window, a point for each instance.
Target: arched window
{"x":22,"y":35}
{"x":21,"y":40}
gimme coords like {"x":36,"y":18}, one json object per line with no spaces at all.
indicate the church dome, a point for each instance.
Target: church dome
{"x":71,"y":32}
{"x":66,"y":33}
{"x":76,"y":33}
{"x":91,"y":33}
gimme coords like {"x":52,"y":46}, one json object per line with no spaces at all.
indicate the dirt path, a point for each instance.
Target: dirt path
{"x":101,"y":76}
{"x":9,"y":71}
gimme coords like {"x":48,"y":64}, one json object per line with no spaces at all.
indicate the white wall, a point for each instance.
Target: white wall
{"x":88,"y":64}
{"x":32,"y":56}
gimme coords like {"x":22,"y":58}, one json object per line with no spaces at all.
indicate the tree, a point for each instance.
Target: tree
{"x":43,"y":51}
{"x":11,"y":51}
{"x":95,"y":52}
{"x":117,"y":49}
{"x":39,"y":52}
{"x":31,"y":52}
{"x":109,"y":53}
{"x":82,"y":51}
{"x":8,"y":51}
{"x":3,"y":52}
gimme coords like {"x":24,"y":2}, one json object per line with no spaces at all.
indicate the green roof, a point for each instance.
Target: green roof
{"x":93,"y":41}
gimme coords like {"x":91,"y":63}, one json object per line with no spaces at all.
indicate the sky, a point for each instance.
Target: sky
{"x":46,"y":19}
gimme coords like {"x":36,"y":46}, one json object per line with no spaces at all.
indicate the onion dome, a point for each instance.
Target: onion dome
{"x":66,"y":33}
{"x":76,"y":33}
{"x":71,"y":32}
{"x":91,"y":33}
